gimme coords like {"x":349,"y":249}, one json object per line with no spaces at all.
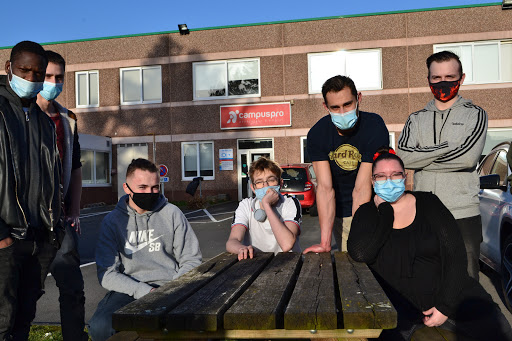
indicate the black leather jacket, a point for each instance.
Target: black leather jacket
{"x":30,"y":190}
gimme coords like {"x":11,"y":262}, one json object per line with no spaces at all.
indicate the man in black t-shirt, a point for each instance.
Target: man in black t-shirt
{"x":341,"y":146}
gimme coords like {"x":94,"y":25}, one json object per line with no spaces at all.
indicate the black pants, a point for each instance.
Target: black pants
{"x":23,"y":269}
{"x":68,"y":277}
{"x":471,"y":230}
{"x":477,"y":317}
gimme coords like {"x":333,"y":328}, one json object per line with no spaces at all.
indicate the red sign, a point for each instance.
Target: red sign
{"x":163,"y":170}
{"x":255,"y":116}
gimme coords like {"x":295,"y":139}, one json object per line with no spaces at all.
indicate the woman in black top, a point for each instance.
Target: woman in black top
{"x":412,"y":243}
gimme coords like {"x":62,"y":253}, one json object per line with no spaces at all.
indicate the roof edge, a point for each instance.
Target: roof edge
{"x":270,"y":23}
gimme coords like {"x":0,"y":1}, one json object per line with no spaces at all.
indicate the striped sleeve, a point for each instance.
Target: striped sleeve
{"x":467,"y":154}
{"x":412,"y":154}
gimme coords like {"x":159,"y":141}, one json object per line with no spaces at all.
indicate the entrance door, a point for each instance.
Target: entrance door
{"x":244,"y":159}
{"x":125,"y":154}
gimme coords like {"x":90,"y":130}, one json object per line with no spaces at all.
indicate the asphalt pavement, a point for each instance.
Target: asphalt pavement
{"x":212,"y":227}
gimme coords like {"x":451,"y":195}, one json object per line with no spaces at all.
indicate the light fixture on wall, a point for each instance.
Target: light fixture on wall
{"x":507,"y":4}
{"x":183,"y":29}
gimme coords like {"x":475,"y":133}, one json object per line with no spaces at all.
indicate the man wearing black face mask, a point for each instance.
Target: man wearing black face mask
{"x":144,"y":242}
{"x":443,"y":144}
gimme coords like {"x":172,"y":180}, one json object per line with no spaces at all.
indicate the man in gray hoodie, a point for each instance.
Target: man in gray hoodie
{"x":443,"y":143}
{"x":144,"y":242}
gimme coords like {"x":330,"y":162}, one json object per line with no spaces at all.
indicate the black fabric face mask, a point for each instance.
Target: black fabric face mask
{"x":146,"y":201}
{"x":445,"y":90}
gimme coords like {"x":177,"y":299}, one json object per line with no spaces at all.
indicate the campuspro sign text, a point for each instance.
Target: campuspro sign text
{"x":255,"y":116}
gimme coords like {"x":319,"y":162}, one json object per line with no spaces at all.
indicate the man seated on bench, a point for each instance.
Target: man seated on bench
{"x":144,"y":242}
{"x":271,"y":219}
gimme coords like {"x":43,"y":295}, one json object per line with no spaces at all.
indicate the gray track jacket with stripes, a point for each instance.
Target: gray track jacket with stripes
{"x":443,"y":147}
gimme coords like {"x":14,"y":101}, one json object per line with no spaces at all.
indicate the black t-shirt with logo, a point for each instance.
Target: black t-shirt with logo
{"x":345,"y":153}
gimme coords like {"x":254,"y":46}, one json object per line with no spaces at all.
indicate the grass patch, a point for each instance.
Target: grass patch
{"x":45,"y":332}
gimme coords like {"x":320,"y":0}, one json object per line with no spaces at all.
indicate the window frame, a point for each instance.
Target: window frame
{"x":302,"y":139}
{"x":141,"y":84}
{"x":225,"y":62}
{"x":343,"y":60}
{"x":198,"y":161}
{"x":87,"y":73}
{"x":443,"y":47}
{"x":93,"y":171}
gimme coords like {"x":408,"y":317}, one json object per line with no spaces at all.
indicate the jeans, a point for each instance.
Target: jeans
{"x":100,"y":324}
{"x":471,"y":230}
{"x":68,"y":277}
{"x":23,"y":269}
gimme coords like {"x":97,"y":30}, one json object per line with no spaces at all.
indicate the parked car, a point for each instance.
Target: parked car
{"x":496,"y":210}
{"x":300,"y":180}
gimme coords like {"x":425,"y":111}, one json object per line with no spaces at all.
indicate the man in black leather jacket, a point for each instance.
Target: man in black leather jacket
{"x":30,"y":198}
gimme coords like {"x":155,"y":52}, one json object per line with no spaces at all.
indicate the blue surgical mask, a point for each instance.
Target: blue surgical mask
{"x":345,"y":120}
{"x":24,"y":88}
{"x":51,"y":90}
{"x":260,"y":192}
{"x":390,"y":190}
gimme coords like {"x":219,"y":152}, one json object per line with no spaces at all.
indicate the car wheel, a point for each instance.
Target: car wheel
{"x":506,"y":272}
{"x":313,"y":211}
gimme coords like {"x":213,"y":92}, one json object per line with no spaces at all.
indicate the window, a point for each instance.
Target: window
{"x":141,"y":85}
{"x":95,"y":167}
{"x":87,"y":89}
{"x":364,"y":67}
{"x":485,"y":167}
{"x":500,"y":167}
{"x":483,"y":61}
{"x":197,"y":160}
{"x":494,"y":137}
{"x":304,"y":156}
{"x":227,"y":79}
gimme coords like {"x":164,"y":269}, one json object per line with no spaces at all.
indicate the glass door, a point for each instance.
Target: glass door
{"x":244,"y":160}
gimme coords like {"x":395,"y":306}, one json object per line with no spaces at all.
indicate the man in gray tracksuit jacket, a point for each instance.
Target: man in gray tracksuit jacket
{"x":443,"y":143}
{"x":143,"y":243}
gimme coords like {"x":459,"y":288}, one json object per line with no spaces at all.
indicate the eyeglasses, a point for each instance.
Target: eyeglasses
{"x":395,"y":177}
{"x":272,"y":181}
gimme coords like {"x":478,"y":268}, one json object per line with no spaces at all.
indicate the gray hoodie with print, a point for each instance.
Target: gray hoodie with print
{"x":137,"y":252}
{"x":443,"y":147}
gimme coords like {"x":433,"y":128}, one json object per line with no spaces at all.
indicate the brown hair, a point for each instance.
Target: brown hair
{"x":141,"y":164}
{"x":55,"y":58}
{"x":263,"y":163}
{"x":443,"y":56}
{"x":336,"y":84}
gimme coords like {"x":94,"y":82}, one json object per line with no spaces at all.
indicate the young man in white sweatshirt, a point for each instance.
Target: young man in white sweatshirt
{"x":443,"y":143}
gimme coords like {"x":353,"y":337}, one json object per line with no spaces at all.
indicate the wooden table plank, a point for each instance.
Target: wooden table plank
{"x":313,"y":304}
{"x":204,"y":310}
{"x":262,"y":305}
{"x":340,"y":334}
{"x":148,"y":312}
{"x":364,"y":303}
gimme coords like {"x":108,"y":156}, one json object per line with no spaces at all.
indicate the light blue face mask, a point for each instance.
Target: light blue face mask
{"x":345,"y":120}
{"x":51,"y":90}
{"x":389,"y":190}
{"x":260,"y":192}
{"x":24,"y":88}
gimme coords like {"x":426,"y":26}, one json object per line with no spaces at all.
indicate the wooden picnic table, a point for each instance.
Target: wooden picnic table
{"x":290,"y":295}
